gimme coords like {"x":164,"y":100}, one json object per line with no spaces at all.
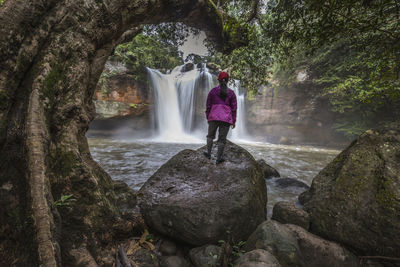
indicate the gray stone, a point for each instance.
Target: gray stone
{"x":291,"y":182}
{"x":257,"y":258}
{"x":205,"y":256}
{"x":268,"y":171}
{"x":187,"y":67}
{"x":167,"y":248}
{"x":319,"y":252}
{"x":287,"y":212}
{"x":193,"y":200}
{"x":144,"y":258}
{"x":277,"y":239}
{"x":355,"y":200}
{"x":174,"y":261}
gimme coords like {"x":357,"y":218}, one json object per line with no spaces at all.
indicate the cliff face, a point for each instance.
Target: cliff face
{"x":122,"y":95}
{"x":295,"y":115}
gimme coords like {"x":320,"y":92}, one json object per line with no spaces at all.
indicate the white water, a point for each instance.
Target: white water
{"x":179,"y":99}
{"x":240,"y":132}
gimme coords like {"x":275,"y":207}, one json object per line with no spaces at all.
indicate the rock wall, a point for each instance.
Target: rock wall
{"x":122,"y":95}
{"x":294,"y":115}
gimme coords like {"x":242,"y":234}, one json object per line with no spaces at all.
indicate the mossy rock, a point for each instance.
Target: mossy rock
{"x":355,"y":200}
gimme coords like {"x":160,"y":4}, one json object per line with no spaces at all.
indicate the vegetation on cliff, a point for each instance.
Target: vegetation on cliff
{"x":146,"y":51}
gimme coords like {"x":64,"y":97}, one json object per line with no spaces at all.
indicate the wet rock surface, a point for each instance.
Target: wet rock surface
{"x":267,"y":170}
{"x":291,"y":182}
{"x":355,"y":200}
{"x":193,"y":200}
{"x":287,"y":212}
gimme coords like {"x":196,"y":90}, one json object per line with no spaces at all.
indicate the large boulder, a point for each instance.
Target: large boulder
{"x":268,"y":170}
{"x":316,"y":251}
{"x":193,"y":200}
{"x":355,"y":200}
{"x":292,"y":245}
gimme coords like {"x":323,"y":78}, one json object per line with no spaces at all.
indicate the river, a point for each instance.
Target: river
{"x":134,"y":161}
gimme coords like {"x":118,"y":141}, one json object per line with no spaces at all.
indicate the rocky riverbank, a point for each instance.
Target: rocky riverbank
{"x":202,"y":214}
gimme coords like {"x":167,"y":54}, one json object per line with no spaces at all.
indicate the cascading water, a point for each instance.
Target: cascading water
{"x":240,"y":132}
{"x":179,"y":101}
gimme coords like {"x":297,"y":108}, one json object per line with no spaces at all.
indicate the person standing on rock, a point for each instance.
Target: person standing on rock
{"x":221,"y":109}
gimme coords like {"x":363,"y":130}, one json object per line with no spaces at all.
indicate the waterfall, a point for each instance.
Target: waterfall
{"x":179,"y":105}
{"x":240,"y":132}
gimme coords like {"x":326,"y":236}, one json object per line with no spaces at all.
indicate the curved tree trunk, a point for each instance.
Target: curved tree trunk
{"x":51,"y":56}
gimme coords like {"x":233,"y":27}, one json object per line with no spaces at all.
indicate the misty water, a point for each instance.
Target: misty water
{"x":134,"y":161}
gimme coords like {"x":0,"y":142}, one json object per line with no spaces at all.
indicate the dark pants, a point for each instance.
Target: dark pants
{"x":222,"y":132}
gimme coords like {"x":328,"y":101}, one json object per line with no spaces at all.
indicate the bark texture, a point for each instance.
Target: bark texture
{"x":51,"y":56}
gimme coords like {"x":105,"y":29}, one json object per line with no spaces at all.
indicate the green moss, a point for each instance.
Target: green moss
{"x":385,"y":196}
{"x":55,"y":76}
{"x":63,"y":162}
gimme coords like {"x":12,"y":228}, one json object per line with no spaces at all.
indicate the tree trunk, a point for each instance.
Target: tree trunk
{"x":51,"y":56}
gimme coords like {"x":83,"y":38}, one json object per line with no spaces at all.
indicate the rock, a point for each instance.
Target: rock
{"x":205,"y":256}
{"x":292,"y":245}
{"x":316,"y":251}
{"x":291,"y":182}
{"x":168,"y":248}
{"x":191,"y":199}
{"x":295,"y":116}
{"x":304,"y":197}
{"x":286,"y":212}
{"x":257,"y":258}
{"x":213,"y":67}
{"x":355,"y":200}
{"x":144,"y":258}
{"x":174,"y":261}
{"x":277,"y":239}
{"x":267,"y":170}
{"x":187,"y":67}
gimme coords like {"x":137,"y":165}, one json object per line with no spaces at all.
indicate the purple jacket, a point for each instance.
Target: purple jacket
{"x":220,"y":110}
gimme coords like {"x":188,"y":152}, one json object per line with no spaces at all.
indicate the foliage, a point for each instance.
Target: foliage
{"x":171,"y":34}
{"x":230,"y":251}
{"x":350,"y":48}
{"x":146,"y":51}
{"x":103,"y":81}
{"x":250,"y":64}
{"x":65,"y":200}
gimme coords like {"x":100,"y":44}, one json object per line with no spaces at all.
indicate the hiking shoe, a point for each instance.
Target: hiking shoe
{"x":207,"y":155}
{"x":218,"y":161}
